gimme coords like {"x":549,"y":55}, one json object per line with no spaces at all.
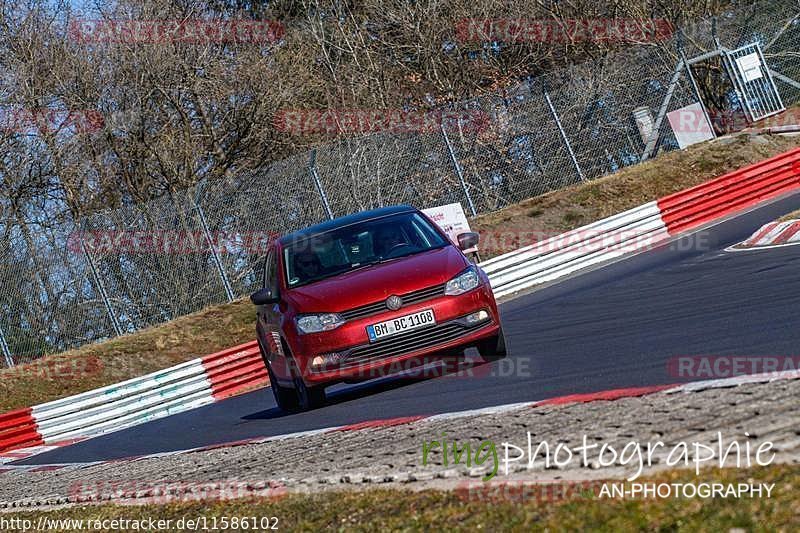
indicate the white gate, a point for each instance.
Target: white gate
{"x":753,"y":82}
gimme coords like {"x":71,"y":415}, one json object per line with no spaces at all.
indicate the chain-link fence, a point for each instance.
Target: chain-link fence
{"x":121,"y":270}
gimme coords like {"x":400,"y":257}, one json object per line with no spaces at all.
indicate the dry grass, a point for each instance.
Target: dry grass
{"x":794,"y":215}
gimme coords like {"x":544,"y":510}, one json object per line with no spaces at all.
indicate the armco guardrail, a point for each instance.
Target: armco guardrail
{"x":18,"y":430}
{"x":730,"y":193}
{"x":577,"y":249}
{"x":644,"y":226}
{"x":163,"y":393}
{"x":205,"y":380}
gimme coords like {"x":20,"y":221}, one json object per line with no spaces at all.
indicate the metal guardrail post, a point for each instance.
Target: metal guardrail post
{"x":217,"y":262}
{"x":562,"y":132}
{"x":457,"y":167}
{"x":101,"y":289}
{"x":4,"y":348}
{"x":312,"y":169}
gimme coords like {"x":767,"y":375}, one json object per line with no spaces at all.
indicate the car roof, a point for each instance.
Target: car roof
{"x":341,"y":222}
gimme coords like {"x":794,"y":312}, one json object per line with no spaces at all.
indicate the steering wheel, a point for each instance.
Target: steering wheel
{"x":396,"y":247}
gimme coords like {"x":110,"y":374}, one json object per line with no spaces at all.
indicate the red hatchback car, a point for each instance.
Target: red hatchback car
{"x":368,"y":295}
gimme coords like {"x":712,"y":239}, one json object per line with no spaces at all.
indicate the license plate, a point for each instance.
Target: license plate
{"x":401,"y":324}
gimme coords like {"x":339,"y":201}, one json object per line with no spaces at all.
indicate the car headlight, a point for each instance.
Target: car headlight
{"x":466,"y":281}
{"x":317,"y":323}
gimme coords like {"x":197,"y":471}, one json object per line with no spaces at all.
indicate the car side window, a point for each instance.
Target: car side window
{"x":271,"y":272}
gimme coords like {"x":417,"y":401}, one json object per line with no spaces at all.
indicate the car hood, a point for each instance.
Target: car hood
{"x":375,"y":283}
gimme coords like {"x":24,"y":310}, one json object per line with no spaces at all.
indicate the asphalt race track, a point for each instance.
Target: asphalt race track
{"x":614,"y":327}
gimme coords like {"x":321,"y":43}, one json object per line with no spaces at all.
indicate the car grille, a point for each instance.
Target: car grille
{"x":409,"y":342}
{"x":408,"y":298}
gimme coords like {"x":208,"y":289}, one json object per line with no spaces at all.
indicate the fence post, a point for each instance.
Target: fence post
{"x":217,"y":262}
{"x":562,"y":132}
{"x":695,"y":88}
{"x":312,"y":168}
{"x":4,"y":348}
{"x":100,"y":288}
{"x":654,"y":135}
{"x":457,"y":167}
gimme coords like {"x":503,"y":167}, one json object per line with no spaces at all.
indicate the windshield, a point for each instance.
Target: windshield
{"x":357,"y":246}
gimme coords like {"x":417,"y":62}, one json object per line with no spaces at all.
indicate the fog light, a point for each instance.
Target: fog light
{"x":480,"y":316}
{"x":327,"y":359}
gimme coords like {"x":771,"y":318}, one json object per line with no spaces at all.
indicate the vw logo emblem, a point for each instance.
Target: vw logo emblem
{"x":394,"y":302}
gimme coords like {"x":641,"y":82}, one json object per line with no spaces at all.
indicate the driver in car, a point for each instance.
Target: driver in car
{"x":388,"y":238}
{"x":307,"y":265}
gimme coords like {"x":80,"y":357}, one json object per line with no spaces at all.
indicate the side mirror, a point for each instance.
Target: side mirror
{"x":468,"y":240}
{"x":264,"y":297}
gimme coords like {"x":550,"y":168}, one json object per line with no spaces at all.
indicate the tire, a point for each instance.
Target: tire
{"x":308,"y":397}
{"x":285,"y":397}
{"x":493,"y":348}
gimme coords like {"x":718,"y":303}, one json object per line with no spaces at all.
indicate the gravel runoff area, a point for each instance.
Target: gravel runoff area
{"x":762,"y":410}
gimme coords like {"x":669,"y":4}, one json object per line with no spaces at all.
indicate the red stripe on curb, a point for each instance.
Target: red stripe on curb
{"x":385,"y":423}
{"x":609,"y":395}
{"x":761,"y":233}
{"x":787,"y":234}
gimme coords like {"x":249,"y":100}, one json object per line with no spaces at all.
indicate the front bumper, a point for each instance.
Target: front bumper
{"x":351,"y":357}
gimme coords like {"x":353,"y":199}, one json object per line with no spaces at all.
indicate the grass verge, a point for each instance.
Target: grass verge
{"x":382,"y":510}
{"x":220,"y":327}
{"x":794,"y":215}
